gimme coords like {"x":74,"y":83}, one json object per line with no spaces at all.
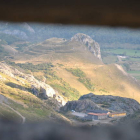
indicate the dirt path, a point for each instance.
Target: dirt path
{"x":23,"y":118}
{"x":4,"y":101}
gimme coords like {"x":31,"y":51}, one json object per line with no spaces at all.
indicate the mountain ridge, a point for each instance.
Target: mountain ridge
{"x":72,"y":54}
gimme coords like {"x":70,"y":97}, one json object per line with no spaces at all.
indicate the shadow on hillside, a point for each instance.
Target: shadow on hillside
{"x":13,"y":85}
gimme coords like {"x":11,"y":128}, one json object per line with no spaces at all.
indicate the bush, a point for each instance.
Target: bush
{"x":87,"y":82}
{"x":76,"y":72}
{"x":82,"y":78}
{"x":31,"y":67}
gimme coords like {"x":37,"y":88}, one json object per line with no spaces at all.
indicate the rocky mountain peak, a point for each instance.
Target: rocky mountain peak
{"x":92,"y":45}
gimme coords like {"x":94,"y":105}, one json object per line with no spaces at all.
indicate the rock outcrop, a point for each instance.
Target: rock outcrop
{"x":114,"y":103}
{"x":36,"y":85}
{"x":80,"y":106}
{"x":102,"y":102}
{"x":92,"y":46}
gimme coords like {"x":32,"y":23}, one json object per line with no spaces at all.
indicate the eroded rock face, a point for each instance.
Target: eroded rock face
{"x":80,"y":106}
{"x":92,"y":46}
{"x":36,"y":85}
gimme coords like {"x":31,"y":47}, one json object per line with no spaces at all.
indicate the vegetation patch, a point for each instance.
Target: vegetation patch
{"x":76,"y":72}
{"x":103,"y":90}
{"x":87,"y":82}
{"x":51,"y":78}
{"x":31,"y":67}
{"x":66,"y":90}
{"x":82,"y":78}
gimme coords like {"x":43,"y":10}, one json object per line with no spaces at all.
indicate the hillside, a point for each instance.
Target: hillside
{"x":76,"y":70}
{"x":58,"y":51}
{"x":18,"y":100}
{"x":41,"y":77}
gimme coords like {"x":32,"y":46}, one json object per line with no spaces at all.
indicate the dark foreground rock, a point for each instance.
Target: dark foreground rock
{"x":51,"y":131}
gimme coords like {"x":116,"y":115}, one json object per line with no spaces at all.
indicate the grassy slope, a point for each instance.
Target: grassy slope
{"x":107,"y":79}
{"x":66,"y":52}
{"x":70,"y":78}
{"x":31,"y":107}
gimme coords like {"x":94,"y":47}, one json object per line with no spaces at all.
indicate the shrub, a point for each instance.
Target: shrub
{"x":76,"y":72}
{"x":82,"y":78}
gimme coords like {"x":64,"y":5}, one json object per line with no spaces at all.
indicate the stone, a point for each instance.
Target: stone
{"x":92,"y":46}
{"x":45,"y":89}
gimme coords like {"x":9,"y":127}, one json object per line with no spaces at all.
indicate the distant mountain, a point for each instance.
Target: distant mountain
{"x":59,"y":49}
{"x":34,"y":32}
{"x":21,"y":30}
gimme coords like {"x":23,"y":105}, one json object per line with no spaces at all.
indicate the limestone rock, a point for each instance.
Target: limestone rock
{"x":92,"y":46}
{"x":37,"y":86}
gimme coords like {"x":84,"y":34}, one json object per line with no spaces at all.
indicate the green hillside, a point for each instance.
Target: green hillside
{"x":72,"y":67}
{"x":18,"y":100}
{"x":76,"y":71}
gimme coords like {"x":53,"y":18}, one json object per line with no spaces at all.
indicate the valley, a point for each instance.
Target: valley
{"x":128,"y":58}
{"x":45,"y":77}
